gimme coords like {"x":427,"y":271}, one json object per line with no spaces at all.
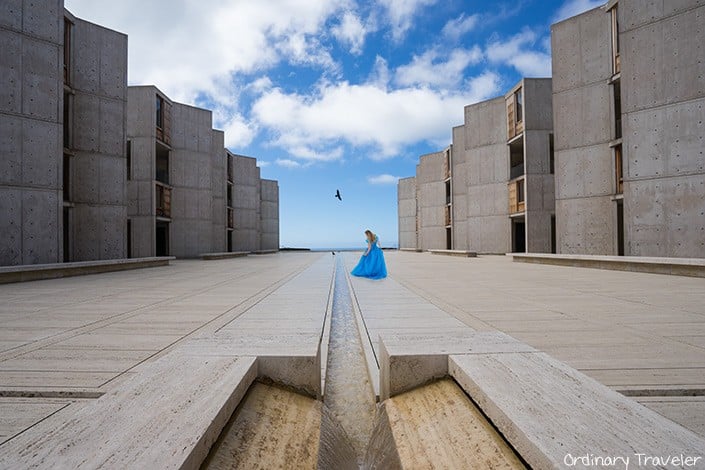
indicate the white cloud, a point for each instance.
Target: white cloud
{"x":184,"y":48}
{"x":575,"y":7}
{"x":380,"y":73}
{"x":239,"y":132}
{"x":431,"y":68}
{"x":351,"y":32}
{"x":365,"y":115}
{"x":456,"y":28}
{"x":401,"y":13}
{"x":287,"y":163}
{"x":516,"y":52}
{"x":383,"y":179}
{"x":263,"y":163}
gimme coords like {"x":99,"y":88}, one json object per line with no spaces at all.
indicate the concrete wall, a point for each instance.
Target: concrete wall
{"x":218,"y":192}
{"x":141,"y":131}
{"x":459,"y":187}
{"x":431,"y":201}
{"x":407,"y":210}
{"x":584,"y":179}
{"x":269,"y":215}
{"x":663,"y":128}
{"x":98,"y":216}
{"x":485,"y":168}
{"x":31,"y":100}
{"x":190,"y":174}
{"x":539,"y":181}
{"x":246,"y":204}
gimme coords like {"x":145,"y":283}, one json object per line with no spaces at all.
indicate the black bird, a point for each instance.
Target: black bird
{"x":337,"y":194}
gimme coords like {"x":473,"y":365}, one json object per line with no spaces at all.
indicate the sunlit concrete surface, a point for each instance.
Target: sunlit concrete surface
{"x":641,"y":334}
{"x":74,"y":339}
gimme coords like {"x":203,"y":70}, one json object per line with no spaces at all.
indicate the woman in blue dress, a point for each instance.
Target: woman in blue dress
{"x":371,"y":263}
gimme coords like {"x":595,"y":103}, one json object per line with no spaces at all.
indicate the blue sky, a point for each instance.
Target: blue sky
{"x":334,"y":94}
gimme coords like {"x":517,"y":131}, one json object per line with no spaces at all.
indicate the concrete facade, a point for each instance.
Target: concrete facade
{"x":585,"y":186}
{"x":188,"y":194}
{"x":480,"y":173}
{"x":246,"y":204}
{"x":430,"y":180}
{"x":62,"y":116}
{"x":95,"y":99}
{"x":406,"y":200}
{"x":628,"y":100}
{"x":492,"y":190}
{"x":269,"y":215}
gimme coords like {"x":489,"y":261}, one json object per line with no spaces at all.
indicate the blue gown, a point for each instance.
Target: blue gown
{"x":371,"y":266}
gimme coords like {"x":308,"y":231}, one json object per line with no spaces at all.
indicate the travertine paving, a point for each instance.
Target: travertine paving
{"x":641,"y":334}
{"x":74,"y":339}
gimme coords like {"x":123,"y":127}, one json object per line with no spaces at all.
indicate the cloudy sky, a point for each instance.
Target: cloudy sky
{"x":334,"y":94}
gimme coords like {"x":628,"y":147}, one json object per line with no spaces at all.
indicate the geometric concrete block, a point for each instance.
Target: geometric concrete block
{"x":552,"y":414}
{"x":407,"y":361}
{"x":138,"y":425}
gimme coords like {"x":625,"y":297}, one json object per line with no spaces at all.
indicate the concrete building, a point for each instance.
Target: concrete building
{"x":408,"y":220}
{"x":628,"y":95}
{"x":189,"y":195}
{"x":481,"y":220}
{"x":62,"y":114}
{"x":253,"y":206}
{"x":491,"y":191}
{"x":425,"y":204}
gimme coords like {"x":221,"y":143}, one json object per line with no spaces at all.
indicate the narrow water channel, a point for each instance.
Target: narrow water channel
{"x":348,"y":394}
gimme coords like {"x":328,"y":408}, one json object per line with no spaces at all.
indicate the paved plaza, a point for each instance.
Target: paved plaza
{"x":71,"y":340}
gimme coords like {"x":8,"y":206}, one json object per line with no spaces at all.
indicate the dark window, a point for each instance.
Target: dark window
{"x":160,"y":112}
{"x":620,"y":228}
{"x":618,"y":169}
{"x":447,"y":192}
{"x":520,"y":191}
{"x":519,"y":104}
{"x":67,"y":235}
{"x":67,"y":177}
{"x":128,"y":154}
{"x":67,"y":120}
{"x":553,"y":234}
{"x":617,"y":91}
{"x":552,"y":155}
{"x":129,"y":238}
{"x":67,"y":50}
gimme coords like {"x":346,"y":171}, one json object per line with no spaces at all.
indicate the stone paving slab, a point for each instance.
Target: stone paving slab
{"x":617,"y":310}
{"x":19,"y":414}
{"x":548,"y":410}
{"x":139,"y":425}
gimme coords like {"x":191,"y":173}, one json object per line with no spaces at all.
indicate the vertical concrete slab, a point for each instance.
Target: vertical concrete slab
{"x":431,"y":201}
{"x":585,"y":216}
{"x":31,"y":97}
{"x":99,"y":187}
{"x":407,"y":212}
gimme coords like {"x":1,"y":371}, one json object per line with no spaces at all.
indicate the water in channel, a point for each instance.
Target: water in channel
{"x":348,"y":392}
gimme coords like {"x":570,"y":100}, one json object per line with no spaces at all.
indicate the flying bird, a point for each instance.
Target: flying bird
{"x":337,"y":194}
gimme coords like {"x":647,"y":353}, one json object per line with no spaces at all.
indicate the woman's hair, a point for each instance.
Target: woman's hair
{"x":370,"y":236}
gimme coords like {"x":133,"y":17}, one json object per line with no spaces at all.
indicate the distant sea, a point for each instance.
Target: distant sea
{"x":358,"y":248}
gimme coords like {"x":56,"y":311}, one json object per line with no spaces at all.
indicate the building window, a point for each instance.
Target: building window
{"x":618,"y":172}
{"x":129,"y":238}
{"x":617,"y":98}
{"x":615,"y":40}
{"x":519,"y":101}
{"x":128,"y":154}
{"x":67,"y":178}
{"x":551,"y":155}
{"x":68,"y":122}
{"x":67,"y":50}
{"x":160,"y":112}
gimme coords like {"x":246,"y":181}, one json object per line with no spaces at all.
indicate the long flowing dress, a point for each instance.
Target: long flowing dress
{"x":371,"y":266}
